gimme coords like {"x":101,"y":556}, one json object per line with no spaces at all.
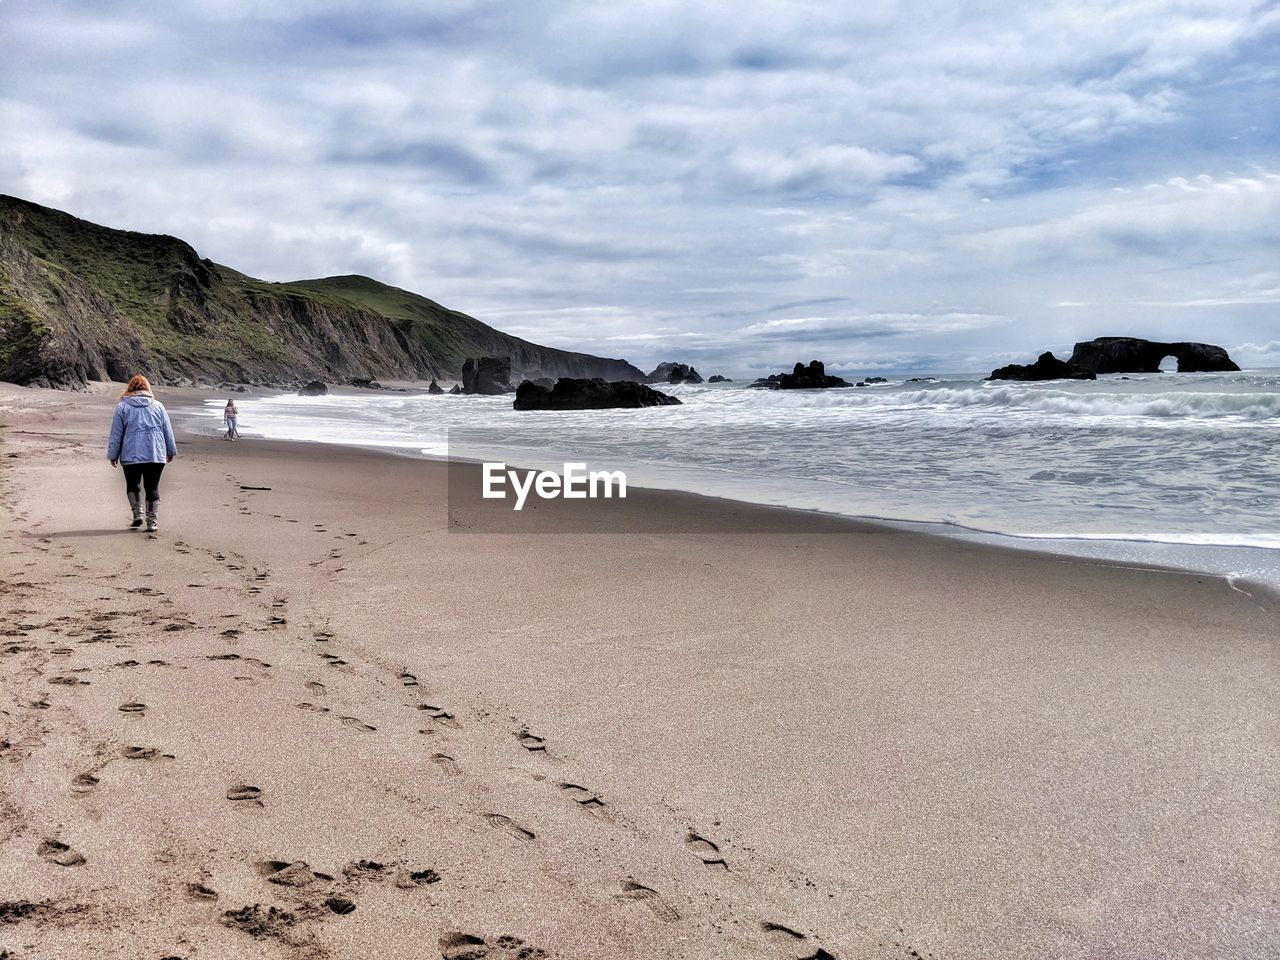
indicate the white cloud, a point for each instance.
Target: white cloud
{"x":661,"y":177}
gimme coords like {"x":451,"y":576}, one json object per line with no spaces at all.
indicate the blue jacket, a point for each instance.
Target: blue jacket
{"x":140,"y":431}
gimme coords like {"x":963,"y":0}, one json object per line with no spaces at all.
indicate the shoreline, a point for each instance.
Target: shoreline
{"x":1221,"y":561}
{"x":606,"y":742}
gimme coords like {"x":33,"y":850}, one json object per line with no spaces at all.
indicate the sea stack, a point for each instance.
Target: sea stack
{"x":1046,"y":367}
{"x":1133,"y":355}
{"x":487,"y":375}
{"x":674,"y":373}
{"x":589,"y":394}
{"x":812,"y":377}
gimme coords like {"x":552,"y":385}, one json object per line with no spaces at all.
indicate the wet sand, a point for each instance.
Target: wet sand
{"x":334,"y":720}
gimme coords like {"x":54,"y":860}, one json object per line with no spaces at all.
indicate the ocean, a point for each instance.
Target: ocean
{"x":1172,"y":469}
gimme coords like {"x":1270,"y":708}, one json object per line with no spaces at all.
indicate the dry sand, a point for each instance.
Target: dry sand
{"x":827,"y":740}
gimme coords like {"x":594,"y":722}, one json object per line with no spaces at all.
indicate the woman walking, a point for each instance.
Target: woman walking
{"x":229,"y":414}
{"x":142,"y":443}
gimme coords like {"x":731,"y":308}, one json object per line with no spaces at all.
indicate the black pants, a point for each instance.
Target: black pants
{"x":146,"y":475}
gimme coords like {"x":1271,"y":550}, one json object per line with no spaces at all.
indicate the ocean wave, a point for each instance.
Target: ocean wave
{"x":1242,"y":406}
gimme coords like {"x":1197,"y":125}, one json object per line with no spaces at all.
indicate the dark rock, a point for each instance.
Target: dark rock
{"x":922,"y":380}
{"x":313,"y":389}
{"x":434,"y":387}
{"x":716,"y":378}
{"x":589,"y":394}
{"x":1133,"y":355}
{"x":487,"y":375}
{"x":870,"y":380}
{"x":1047,"y":367}
{"x":812,"y":377}
{"x":365,"y":383}
{"x":674,"y":373}
{"x":456,"y":389}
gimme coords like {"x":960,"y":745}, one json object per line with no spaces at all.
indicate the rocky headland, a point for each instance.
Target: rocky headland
{"x":81,"y":302}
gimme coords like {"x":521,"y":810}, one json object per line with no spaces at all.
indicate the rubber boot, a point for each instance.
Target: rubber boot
{"x":151,"y":515}
{"x":135,"y":504}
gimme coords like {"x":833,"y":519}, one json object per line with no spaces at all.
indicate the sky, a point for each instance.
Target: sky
{"x":886,"y":186}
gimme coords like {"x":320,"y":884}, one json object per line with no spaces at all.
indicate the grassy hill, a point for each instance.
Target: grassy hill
{"x":79,"y":302}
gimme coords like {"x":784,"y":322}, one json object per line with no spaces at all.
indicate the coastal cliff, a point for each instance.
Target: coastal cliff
{"x":81,"y":302}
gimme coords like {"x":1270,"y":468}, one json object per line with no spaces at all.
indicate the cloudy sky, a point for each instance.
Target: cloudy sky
{"x":884,"y":185}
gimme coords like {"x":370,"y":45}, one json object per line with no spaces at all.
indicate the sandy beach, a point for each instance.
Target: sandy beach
{"x":328,"y":720}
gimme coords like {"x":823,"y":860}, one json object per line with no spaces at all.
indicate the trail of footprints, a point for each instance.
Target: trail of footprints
{"x":312,"y":895}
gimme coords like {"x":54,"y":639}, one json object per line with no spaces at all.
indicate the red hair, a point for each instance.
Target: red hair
{"x":138,"y":384}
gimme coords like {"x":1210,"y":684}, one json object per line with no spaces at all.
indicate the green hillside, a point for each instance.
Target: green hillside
{"x":79,"y":302}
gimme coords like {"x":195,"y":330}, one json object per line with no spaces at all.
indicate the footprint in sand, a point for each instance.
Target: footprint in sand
{"x":333,"y":660}
{"x":357,"y":724}
{"x":508,"y":825}
{"x":198,"y":891}
{"x":317,"y":688}
{"x":67,"y":681}
{"x":583,"y":797}
{"x":793,"y":941}
{"x":340,"y":905}
{"x":440,"y":715}
{"x":705,"y":850}
{"x":54,"y":851}
{"x":296,"y":874}
{"x":83,"y":783}
{"x":144,"y":753}
{"x":467,"y":946}
{"x":277,"y":621}
{"x":412,"y":879}
{"x":364,"y":870}
{"x":314,"y":708}
{"x":132,"y":707}
{"x":446,"y":763}
{"x":245,"y":793}
{"x":261,"y":922}
{"x":531,"y":742}
{"x":408,"y":679}
{"x":651,"y":899}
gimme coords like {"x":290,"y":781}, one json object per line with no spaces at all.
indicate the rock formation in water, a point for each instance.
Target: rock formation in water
{"x":487,"y":375}
{"x":717,"y":378}
{"x":674,"y":373}
{"x":82,"y":302}
{"x":589,"y":394}
{"x":1046,"y":367}
{"x":315,"y":388}
{"x":812,"y":377}
{"x":1133,"y":355}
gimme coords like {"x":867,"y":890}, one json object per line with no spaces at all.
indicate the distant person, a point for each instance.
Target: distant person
{"x":229,"y":414}
{"x":142,"y":442}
